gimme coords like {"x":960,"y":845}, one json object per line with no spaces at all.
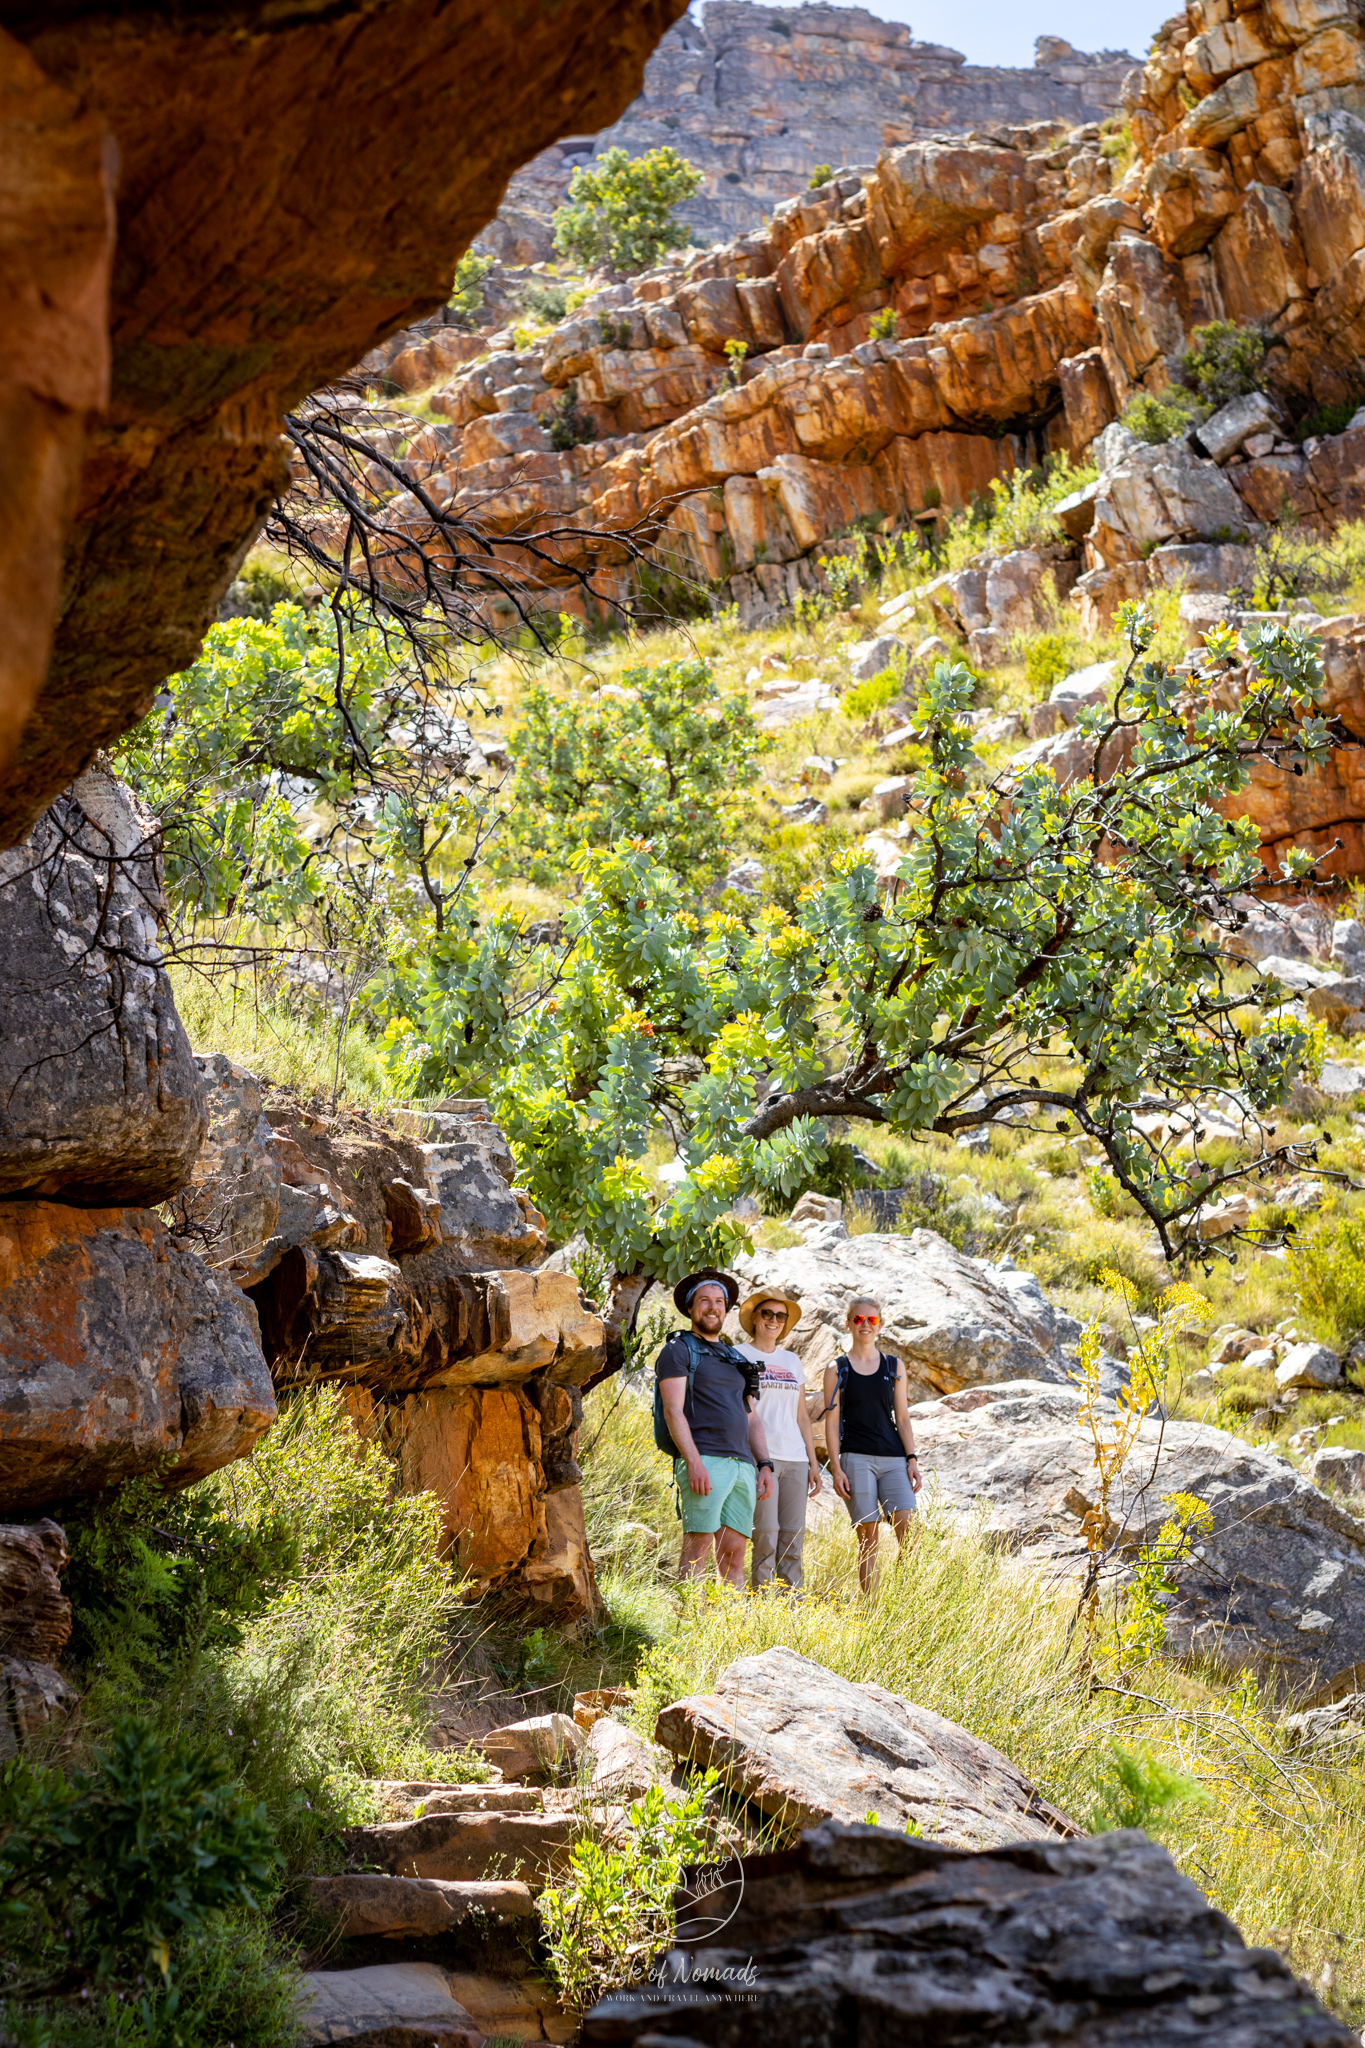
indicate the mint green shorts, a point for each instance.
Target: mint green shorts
{"x":731,"y":1502}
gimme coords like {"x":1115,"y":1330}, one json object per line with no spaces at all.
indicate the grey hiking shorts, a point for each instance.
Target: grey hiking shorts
{"x":875,"y":1484}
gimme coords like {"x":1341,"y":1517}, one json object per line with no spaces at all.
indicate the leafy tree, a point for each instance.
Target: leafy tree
{"x":621,"y":210}
{"x":664,"y":761}
{"x":310,"y":792}
{"x":466,"y":293}
{"x":1042,"y":949}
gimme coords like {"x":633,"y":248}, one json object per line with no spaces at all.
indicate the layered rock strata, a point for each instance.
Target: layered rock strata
{"x":862,"y":1933}
{"x":757,"y":97}
{"x":1036,"y":286}
{"x":120,"y":1350}
{"x":316,"y":174}
{"x":399,"y":1261}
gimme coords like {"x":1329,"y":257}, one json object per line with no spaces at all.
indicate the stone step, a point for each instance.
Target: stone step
{"x":463,"y":1846}
{"x":513,"y":2008}
{"x":365,"y":1904}
{"x":401,"y":1795}
{"x":388,"y":2005}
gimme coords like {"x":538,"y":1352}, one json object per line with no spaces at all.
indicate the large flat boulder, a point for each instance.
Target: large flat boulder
{"x":361,"y":1905}
{"x":862,"y":1935}
{"x":100,"y":1098}
{"x":388,"y":2005}
{"x":806,"y":1745}
{"x":462,"y":1846}
{"x":955,"y":1322}
{"x":1277,"y":1588}
{"x":118,"y":1353}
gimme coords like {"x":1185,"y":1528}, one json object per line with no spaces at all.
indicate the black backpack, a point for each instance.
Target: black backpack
{"x":887,"y":1379}
{"x":663,"y":1436}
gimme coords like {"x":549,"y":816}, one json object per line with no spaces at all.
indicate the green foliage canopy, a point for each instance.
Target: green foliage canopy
{"x":664,"y":758}
{"x":306,"y":782}
{"x":621,"y":210}
{"x":1043,"y":949}
{"x":466,"y":293}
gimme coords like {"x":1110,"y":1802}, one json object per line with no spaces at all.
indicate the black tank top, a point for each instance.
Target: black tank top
{"x":866,"y":1414}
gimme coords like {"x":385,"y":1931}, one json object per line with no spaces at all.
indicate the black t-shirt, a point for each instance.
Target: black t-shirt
{"x":714,"y":1406}
{"x":867,"y":1416}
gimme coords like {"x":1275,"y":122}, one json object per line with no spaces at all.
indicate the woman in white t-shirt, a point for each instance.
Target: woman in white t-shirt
{"x":767,"y":1318}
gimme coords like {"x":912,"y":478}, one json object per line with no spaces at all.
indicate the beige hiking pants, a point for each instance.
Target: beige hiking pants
{"x":780,"y":1526}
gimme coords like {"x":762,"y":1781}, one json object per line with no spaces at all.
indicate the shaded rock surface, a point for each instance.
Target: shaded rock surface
{"x":100,"y":1098}
{"x":35,"y":1614}
{"x":258,"y":254}
{"x":118,"y":1353}
{"x":860,"y":1933}
{"x":804,"y":1745}
{"x":1277,"y":1587}
{"x":412,"y":1907}
{"x":389,"y":2005}
{"x":466,"y":1846}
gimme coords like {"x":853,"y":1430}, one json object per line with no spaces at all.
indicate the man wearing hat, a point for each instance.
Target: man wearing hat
{"x":709,"y":1393}
{"x":767,"y":1319}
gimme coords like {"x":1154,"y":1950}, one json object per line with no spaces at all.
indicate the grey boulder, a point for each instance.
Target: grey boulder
{"x":1277,"y":1587}
{"x":859,"y":1935}
{"x":954,"y":1322}
{"x":100,"y":1098}
{"x":805,"y":1745}
{"x":388,"y":2005}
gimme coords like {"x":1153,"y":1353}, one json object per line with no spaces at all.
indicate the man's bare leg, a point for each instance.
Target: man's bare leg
{"x":696,"y":1555}
{"x":730,"y":1548}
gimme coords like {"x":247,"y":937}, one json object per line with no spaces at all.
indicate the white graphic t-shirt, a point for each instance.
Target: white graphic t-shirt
{"x":782,"y":1386}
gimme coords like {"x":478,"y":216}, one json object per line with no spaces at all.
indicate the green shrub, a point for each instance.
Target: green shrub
{"x":668,"y":764}
{"x":1327,"y":1260}
{"x":1224,"y":361}
{"x":1017,"y":511}
{"x":1161,"y":416}
{"x":548,"y":302}
{"x":821,"y":175}
{"x":885,"y":325}
{"x":1047,"y":659}
{"x":466,"y":293}
{"x":121,"y":1863}
{"x":616,"y":1905}
{"x":1140,"y":1787}
{"x":567,"y":424}
{"x":862,"y":699}
{"x":1327,"y":419}
{"x":622,"y":212}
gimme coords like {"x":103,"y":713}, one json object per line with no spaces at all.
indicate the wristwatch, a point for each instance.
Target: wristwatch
{"x":765,"y":1464}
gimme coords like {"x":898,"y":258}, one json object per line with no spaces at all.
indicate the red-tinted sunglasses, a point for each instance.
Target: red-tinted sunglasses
{"x":866,"y":1319}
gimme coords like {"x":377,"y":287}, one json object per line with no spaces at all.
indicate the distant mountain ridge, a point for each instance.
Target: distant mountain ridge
{"x":757,"y":96}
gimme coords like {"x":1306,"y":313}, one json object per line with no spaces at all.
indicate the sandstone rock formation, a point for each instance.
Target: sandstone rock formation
{"x":805,"y":1745}
{"x":35,"y":1623}
{"x":118,"y":1353}
{"x":756,"y":98}
{"x":316,"y":176}
{"x":391,"y":1257}
{"x":1277,"y":1587}
{"x":119,"y":1349}
{"x":862,"y":1933}
{"x":100,"y":1100}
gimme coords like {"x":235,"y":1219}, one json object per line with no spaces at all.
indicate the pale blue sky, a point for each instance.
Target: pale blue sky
{"x":1002,"y":31}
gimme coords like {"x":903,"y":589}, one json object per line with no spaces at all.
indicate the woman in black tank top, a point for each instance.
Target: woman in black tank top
{"x":869,"y":1437}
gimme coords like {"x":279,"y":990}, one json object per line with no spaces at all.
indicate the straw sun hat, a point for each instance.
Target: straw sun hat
{"x":751,"y":1304}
